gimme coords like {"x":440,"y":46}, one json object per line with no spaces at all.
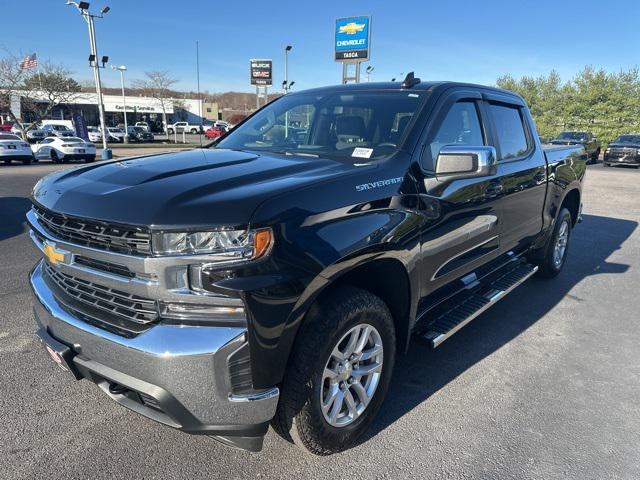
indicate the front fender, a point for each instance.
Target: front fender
{"x":312,"y":255}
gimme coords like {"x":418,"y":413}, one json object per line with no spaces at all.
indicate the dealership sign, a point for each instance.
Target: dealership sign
{"x":113,"y":103}
{"x":261,"y":72}
{"x":352,"y":39}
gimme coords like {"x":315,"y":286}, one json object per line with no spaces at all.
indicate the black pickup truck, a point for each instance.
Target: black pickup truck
{"x":624,"y":150}
{"x":273,"y":277}
{"x":587,"y":139}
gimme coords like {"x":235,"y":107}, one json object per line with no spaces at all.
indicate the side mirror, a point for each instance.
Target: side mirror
{"x":466,"y":161}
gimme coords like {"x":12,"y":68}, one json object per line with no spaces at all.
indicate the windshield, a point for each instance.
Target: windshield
{"x":361,"y":124}
{"x":628,"y":139}
{"x":578,"y":136}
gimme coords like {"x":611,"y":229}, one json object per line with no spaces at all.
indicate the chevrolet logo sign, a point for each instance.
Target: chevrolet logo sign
{"x":54,"y":254}
{"x":351,"y":28}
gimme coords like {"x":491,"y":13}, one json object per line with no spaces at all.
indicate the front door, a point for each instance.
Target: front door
{"x":462,"y":213}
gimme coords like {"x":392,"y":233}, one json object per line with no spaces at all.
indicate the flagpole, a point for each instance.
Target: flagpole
{"x":38,"y":64}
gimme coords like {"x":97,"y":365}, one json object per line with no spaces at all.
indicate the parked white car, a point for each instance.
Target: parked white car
{"x":12,"y":147}
{"x":94,"y":134}
{"x":143,"y":125}
{"x":61,"y":150}
{"x":115,"y":134}
{"x":57,"y":131}
{"x":34,"y":135}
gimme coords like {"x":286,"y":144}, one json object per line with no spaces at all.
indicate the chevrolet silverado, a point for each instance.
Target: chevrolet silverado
{"x":272,"y":278}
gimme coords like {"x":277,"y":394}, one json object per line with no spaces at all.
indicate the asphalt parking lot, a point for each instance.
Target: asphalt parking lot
{"x":544,"y":385}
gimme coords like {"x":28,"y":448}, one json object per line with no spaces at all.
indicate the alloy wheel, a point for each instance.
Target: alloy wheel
{"x":561,"y":244}
{"x":351,"y":375}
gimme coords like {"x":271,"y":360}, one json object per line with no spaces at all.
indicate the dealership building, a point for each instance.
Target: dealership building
{"x":138,"y":108}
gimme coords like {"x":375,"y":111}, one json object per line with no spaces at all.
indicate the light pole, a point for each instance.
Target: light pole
{"x":368,"y":71}
{"x":287,"y":49}
{"x":123,"y":69}
{"x":83,"y":8}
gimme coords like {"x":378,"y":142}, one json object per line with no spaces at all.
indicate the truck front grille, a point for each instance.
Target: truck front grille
{"x":123,"y":310}
{"x":95,"y":234}
{"x":622,"y":152}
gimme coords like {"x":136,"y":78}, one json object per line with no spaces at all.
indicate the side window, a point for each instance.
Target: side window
{"x":461,"y":126}
{"x":512,"y":138}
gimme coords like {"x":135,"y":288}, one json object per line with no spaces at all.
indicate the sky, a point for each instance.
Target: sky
{"x":464,"y":40}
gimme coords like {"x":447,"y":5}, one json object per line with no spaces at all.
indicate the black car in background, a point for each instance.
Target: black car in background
{"x":139,"y":134}
{"x":586,"y":139}
{"x":624,"y":150}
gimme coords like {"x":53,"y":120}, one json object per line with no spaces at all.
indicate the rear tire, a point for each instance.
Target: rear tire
{"x":327,"y":403}
{"x":89,"y":159}
{"x":54,"y":157}
{"x":554,"y":253}
{"x":7,"y":162}
{"x":194,"y":131}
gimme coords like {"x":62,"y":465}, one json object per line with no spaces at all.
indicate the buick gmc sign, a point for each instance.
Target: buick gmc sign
{"x":261,"y":72}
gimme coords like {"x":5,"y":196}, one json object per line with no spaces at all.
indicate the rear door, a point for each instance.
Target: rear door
{"x":521,"y":168}
{"x":462,"y":214}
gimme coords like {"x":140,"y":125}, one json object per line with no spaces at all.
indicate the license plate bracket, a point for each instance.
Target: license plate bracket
{"x":61,"y":354}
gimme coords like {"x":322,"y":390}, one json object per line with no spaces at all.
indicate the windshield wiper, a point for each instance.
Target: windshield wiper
{"x":301,"y":154}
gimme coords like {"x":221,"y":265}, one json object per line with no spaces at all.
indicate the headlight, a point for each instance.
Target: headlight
{"x":227,"y":245}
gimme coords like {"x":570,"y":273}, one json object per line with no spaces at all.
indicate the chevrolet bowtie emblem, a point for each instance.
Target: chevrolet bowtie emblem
{"x":351,"y":28}
{"x":53,"y":254}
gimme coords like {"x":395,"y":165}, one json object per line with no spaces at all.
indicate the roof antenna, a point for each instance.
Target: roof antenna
{"x":410,"y":80}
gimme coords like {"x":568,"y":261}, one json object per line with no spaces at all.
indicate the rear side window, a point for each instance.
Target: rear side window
{"x":510,"y":130}
{"x":461,"y":126}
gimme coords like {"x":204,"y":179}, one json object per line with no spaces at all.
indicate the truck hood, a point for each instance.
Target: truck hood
{"x":195,"y":188}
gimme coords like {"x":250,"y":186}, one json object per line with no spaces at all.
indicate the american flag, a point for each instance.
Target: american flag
{"x":30,"y":61}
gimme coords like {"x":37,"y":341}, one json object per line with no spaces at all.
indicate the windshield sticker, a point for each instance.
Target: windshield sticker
{"x":378,"y":184}
{"x":360,"y":152}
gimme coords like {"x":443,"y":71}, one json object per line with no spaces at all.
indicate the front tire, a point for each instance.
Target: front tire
{"x":339,"y":372}
{"x":27,"y":161}
{"x":555,"y":251}
{"x":194,"y":131}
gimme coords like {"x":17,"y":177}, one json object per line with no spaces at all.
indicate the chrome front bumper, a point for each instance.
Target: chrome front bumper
{"x":182,"y":369}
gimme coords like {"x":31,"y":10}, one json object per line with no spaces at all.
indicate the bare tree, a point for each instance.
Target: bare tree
{"x":39,"y":92}
{"x":157,"y":84}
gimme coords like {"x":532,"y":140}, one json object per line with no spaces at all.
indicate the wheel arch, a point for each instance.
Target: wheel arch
{"x":571,"y":202}
{"x":385,"y":276}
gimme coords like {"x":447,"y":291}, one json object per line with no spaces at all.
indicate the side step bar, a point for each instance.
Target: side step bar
{"x":462,"y":311}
